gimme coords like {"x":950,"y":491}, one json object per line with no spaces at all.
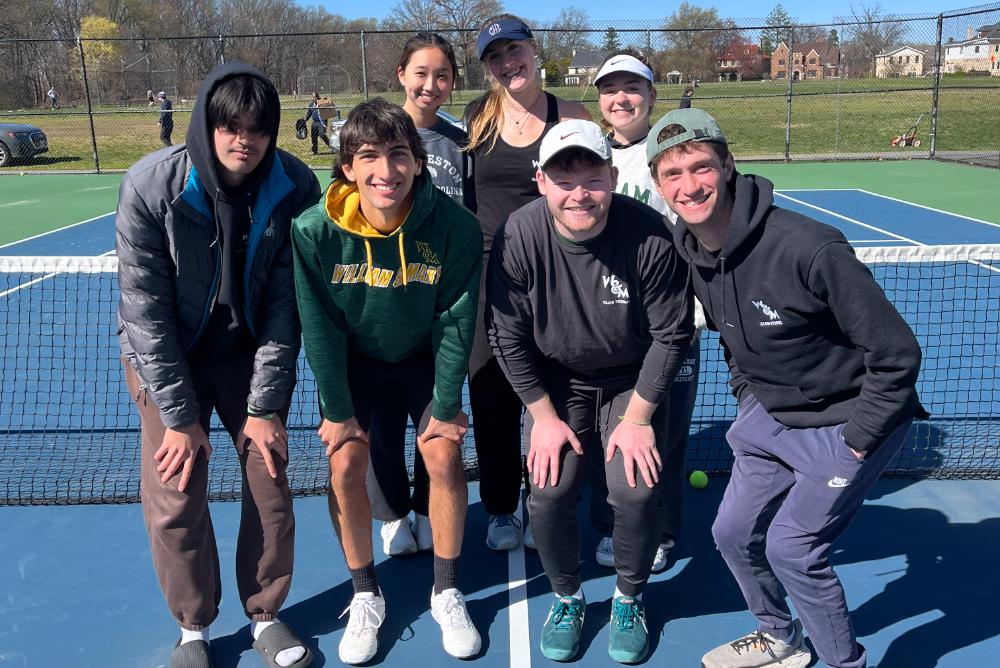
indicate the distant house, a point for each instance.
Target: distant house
{"x":810,"y":61}
{"x":674,"y":77}
{"x":902,"y":62}
{"x":584,"y":66}
{"x":977,"y":53}
{"x":740,"y":61}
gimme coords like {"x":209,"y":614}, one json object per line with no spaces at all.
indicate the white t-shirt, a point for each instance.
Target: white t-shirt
{"x":635,"y":180}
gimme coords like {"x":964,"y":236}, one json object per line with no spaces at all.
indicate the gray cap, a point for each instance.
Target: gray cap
{"x":698,"y":126}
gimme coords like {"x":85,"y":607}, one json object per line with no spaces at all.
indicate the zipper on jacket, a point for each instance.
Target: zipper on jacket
{"x":216,"y":277}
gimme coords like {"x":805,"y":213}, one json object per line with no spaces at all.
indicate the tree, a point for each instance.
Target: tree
{"x":779,"y":22}
{"x":869,"y":33}
{"x":698,"y":38}
{"x":833,"y":38}
{"x":566,"y":35}
{"x":612,"y":43}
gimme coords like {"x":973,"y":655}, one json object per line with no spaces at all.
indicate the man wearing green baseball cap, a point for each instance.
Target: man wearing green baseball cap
{"x":823,"y":368}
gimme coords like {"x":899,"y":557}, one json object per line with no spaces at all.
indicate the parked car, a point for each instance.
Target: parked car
{"x":21,"y":142}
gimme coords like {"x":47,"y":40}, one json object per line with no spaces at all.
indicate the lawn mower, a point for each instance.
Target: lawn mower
{"x":908,"y":138}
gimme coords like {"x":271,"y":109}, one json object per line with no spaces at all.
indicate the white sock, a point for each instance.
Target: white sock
{"x":189,"y":636}
{"x":285,"y":657}
{"x":618,"y":593}
{"x":578,"y":595}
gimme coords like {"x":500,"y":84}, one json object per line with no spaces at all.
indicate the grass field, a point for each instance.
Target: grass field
{"x":834,"y":117}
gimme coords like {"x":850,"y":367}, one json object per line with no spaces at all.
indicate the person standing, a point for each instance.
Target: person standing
{"x":824,"y":370}
{"x":166,"y":119}
{"x":626,"y":96}
{"x":317,"y":127}
{"x":52,"y":97}
{"x":686,"y":98}
{"x":207,"y":323}
{"x":505,"y":131}
{"x":589,"y":314}
{"x":386,"y":273}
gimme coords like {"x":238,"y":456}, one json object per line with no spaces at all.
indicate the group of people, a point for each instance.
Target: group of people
{"x":563,"y":268}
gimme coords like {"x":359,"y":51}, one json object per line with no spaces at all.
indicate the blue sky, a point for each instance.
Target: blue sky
{"x":805,"y":12}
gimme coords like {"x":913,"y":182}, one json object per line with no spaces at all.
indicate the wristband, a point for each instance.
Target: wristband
{"x":638,"y":423}
{"x":262,"y":415}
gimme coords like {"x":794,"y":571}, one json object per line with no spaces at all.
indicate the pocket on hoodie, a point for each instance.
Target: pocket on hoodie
{"x":774,"y":397}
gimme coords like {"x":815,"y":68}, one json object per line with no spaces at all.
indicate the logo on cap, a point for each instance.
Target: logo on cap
{"x":495,"y":29}
{"x":569,"y":134}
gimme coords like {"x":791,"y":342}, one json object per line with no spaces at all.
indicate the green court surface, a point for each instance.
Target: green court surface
{"x":37,"y":203}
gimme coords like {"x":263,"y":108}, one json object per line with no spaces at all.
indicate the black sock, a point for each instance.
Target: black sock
{"x":445,"y":574}
{"x":364,"y":579}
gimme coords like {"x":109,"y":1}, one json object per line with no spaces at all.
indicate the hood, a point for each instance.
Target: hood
{"x":18,"y":127}
{"x":342,"y":204}
{"x":199,"y":134}
{"x":753,"y":198}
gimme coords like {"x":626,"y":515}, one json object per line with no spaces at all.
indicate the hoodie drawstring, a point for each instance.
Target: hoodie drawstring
{"x":402,"y":257}
{"x":370,"y":273}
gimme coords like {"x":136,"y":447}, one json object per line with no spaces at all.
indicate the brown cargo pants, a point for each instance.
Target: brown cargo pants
{"x":181,"y":537}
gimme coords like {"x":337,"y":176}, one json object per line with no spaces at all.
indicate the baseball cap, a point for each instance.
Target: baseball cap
{"x":698,"y":126}
{"x":624,"y":63}
{"x":573,"y":133}
{"x":162,"y":93}
{"x":501,"y":29}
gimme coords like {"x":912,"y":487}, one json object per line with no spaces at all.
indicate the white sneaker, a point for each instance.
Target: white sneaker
{"x":605,"y":554}
{"x":529,"y":538}
{"x":757,"y":650}
{"x":660,"y":560}
{"x":360,"y":641}
{"x":422,"y":532}
{"x":397,"y":538}
{"x":458,"y":635}
{"x":503,"y":533}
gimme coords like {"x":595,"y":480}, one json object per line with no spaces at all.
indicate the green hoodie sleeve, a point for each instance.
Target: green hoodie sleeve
{"x":324,"y":327}
{"x":455,"y":311}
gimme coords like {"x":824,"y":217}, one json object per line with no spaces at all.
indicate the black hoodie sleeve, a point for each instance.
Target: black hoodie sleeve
{"x":871,"y":322}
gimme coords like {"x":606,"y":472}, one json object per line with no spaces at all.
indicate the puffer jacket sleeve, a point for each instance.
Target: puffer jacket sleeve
{"x":279,"y":334}
{"x":146,"y":308}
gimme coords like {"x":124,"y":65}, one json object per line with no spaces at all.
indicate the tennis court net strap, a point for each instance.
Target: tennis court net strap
{"x":70,"y":434}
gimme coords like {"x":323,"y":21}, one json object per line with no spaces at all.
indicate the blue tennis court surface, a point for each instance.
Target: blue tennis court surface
{"x":80,"y":589}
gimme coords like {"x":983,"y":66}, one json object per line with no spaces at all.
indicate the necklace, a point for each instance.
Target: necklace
{"x":519,"y":122}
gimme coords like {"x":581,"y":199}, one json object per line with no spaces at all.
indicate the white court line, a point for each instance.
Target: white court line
{"x":87,"y":190}
{"x":60,"y":229}
{"x":42,"y":278}
{"x":517,"y":603}
{"x":20,"y":202}
{"x":930,"y":208}
{"x":817,"y":190}
{"x":852,"y":220}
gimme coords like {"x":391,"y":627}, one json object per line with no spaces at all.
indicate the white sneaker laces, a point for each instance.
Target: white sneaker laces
{"x":364,"y":615}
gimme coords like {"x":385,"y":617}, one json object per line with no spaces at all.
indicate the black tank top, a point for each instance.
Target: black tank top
{"x":505,"y":177}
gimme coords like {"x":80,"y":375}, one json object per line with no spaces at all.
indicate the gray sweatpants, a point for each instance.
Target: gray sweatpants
{"x":679,"y":404}
{"x":792,"y":493}
{"x":593,"y":416}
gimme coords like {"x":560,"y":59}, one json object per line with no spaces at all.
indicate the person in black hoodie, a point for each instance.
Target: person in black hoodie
{"x":207,"y":322}
{"x":824,"y":370}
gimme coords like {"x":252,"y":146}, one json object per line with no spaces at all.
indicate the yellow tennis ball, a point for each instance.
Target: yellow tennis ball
{"x":698,"y":479}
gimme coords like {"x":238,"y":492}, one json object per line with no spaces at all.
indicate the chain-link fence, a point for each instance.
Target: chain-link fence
{"x":859,"y":88}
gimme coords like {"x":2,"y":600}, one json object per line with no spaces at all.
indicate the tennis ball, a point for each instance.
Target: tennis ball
{"x":698,"y":479}
{"x":22,"y":174}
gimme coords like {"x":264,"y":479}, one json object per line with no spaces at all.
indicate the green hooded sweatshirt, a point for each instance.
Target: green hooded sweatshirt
{"x":387,"y":296}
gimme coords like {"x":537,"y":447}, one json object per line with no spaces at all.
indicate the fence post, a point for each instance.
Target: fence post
{"x":937,"y":86}
{"x":90,"y":108}
{"x":788,"y":94}
{"x":222,"y":50}
{"x":364,"y":66}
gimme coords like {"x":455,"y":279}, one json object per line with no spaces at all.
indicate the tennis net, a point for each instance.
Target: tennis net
{"x":70,"y":434}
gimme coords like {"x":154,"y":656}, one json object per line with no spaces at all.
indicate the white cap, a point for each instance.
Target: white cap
{"x":162,"y":93}
{"x":575,"y":132}
{"x":624,"y":63}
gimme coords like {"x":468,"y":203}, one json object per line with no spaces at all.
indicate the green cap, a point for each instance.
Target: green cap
{"x":698,"y":125}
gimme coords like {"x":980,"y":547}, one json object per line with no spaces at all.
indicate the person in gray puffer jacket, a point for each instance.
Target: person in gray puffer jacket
{"x":207,"y":321}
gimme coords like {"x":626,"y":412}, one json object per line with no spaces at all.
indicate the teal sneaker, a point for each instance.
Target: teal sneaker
{"x":629,"y":638}
{"x":561,"y":633}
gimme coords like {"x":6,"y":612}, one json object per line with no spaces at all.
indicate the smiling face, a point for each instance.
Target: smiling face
{"x":692,"y":179}
{"x":511,"y":63}
{"x":384,"y":174}
{"x":239,"y":148}
{"x":427,"y":80}
{"x":625,"y":100}
{"x":578,"y":196}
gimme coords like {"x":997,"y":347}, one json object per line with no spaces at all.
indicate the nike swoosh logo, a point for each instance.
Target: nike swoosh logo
{"x":563,"y":137}
{"x":838,"y":483}
{"x":615,"y":62}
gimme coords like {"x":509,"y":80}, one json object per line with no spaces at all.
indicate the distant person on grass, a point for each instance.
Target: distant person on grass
{"x":166,"y":119}
{"x":317,"y":129}
{"x":53,"y":97}
{"x":686,"y":98}
{"x":387,"y":274}
{"x":589,"y":315}
{"x":823,"y":368}
{"x":207,"y":323}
